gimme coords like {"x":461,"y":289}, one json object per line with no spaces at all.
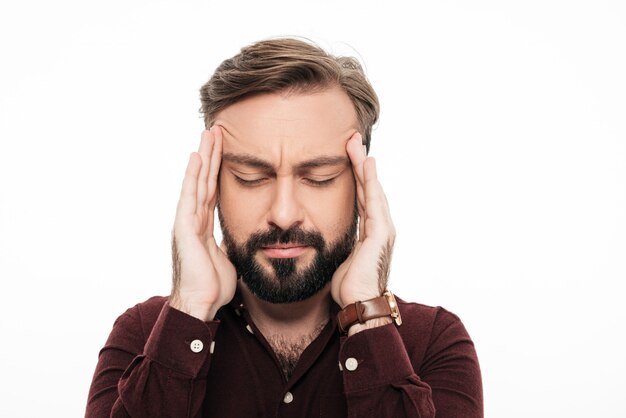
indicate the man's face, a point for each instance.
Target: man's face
{"x":286,"y":191}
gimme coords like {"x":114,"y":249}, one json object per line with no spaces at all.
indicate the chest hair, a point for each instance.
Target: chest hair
{"x":288,"y":350}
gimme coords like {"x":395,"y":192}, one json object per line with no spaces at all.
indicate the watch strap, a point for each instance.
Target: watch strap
{"x":359,"y":312}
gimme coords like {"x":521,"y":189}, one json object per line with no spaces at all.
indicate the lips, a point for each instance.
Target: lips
{"x":284,"y":250}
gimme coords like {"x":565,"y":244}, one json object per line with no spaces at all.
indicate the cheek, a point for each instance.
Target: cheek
{"x":242,"y":211}
{"x":332,"y":210}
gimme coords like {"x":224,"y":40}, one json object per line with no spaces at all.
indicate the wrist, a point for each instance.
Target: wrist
{"x":360,"y":296}
{"x":369,"y":324}
{"x":203,"y":311}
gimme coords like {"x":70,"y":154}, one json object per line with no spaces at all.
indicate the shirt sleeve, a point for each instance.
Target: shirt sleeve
{"x":161,"y":372}
{"x":382,"y":379}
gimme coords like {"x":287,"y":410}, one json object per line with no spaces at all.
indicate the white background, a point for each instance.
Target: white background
{"x":501,"y":146}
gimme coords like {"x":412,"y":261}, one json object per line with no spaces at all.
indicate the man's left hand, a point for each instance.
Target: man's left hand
{"x":365,"y":272}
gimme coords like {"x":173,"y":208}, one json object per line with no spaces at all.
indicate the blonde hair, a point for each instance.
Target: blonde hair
{"x":292,"y":66}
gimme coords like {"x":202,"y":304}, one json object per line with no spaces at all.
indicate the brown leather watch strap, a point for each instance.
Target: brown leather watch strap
{"x":359,"y":312}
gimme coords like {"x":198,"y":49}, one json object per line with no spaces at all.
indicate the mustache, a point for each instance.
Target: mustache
{"x":294,"y":235}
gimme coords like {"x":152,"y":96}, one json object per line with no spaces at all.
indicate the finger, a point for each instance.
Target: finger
{"x":214,"y":165}
{"x":223,"y":247}
{"x":357,"y":156}
{"x":375,"y":201}
{"x":219,"y":251}
{"x":373,"y":198}
{"x":361,"y":227}
{"x":206,"y":145}
{"x":360,"y":197}
{"x":187,"y":201}
{"x":356,"y":153}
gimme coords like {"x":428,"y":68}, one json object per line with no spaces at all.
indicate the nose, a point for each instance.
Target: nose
{"x":286,"y":211}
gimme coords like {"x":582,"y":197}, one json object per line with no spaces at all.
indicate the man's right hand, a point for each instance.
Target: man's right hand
{"x":204,"y":279}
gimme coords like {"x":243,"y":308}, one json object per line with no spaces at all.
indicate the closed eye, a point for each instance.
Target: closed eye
{"x":319,"y":183}
{"x":251,"y":182}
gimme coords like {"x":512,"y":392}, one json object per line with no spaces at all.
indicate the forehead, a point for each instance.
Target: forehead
{"x":291,"y":127}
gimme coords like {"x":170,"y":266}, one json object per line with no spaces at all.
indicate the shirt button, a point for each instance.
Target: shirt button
{"x":196,"y":346}
{"x":288,"y":397}
{"x":352,"y":364}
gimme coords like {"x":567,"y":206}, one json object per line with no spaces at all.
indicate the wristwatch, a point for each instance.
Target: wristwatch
{"x":359,"y":312}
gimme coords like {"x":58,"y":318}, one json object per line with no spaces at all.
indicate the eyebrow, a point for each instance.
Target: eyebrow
{"x":323,"y":161}
{"x":252,"y":161}
{"x":247,"y":159}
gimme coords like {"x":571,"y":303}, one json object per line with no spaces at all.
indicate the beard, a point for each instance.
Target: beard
{"x":285,"y":282}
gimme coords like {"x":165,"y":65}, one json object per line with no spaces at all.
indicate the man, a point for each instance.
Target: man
{"x":270,"y":323}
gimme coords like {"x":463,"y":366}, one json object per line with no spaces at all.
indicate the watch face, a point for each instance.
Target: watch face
{"x":393,"y":305}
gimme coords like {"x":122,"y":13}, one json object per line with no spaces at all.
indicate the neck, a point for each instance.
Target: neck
{"x":289,"y":319}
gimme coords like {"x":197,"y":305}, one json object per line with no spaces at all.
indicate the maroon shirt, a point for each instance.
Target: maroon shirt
{"x":160,"y":362}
